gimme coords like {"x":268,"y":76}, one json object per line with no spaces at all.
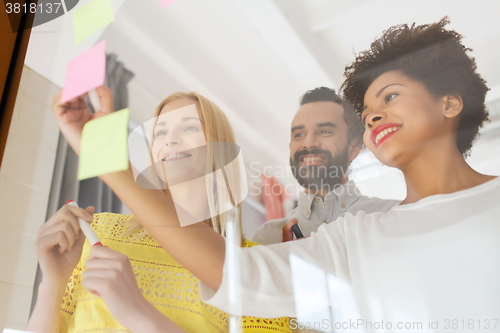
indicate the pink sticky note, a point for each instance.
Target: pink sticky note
{"x":165,"y":3}
{"x":85,"y":72}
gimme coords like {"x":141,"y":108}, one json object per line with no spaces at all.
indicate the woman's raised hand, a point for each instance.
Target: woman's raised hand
{"x":59,"y":244}
{"x":72,"y":115}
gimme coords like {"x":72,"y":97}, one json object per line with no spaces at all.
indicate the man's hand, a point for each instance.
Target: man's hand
{"x":74,"y":114}
{"x":287,"y":231}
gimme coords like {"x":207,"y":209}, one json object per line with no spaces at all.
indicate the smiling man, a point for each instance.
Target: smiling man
{"x":324,"y":141}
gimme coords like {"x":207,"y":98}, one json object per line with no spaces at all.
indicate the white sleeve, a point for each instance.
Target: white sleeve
{"x":266,"y":279}
{"x":269,"y":233}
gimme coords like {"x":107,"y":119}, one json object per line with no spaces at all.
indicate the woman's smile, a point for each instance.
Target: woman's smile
{"x":173,"y":155}
{"x":383,"y":132}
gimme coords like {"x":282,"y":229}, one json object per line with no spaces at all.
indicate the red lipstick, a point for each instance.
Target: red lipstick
{"x":382,"y":128}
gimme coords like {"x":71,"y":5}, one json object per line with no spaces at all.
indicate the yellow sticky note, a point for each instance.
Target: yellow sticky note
{"x":91,"y":17}
{"x":104,"y":147}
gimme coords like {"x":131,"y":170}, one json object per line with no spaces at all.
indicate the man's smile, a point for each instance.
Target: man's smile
{"x":313,"y":159}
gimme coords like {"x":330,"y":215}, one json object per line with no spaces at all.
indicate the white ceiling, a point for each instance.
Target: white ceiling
{"x":255,"y":58}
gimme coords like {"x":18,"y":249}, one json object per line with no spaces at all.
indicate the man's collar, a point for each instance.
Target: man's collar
{"x":344,"y":195}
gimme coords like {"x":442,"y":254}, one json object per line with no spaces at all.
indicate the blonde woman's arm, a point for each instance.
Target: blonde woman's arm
{"x":45,"y":316}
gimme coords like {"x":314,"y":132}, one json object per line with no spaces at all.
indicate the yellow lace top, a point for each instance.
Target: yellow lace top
{"x":171,"y":288}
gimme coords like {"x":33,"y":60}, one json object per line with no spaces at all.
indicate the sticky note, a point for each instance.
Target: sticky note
{"x":104,"y":146}
{"x":92,"y":17}
{"x":165,"y":3}
{"x":85,"y":72}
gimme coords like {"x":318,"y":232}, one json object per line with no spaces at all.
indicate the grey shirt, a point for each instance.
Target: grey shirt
{"x":312,"y":211}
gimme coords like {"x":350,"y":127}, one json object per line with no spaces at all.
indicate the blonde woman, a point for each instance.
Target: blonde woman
{"x":132,"y":283}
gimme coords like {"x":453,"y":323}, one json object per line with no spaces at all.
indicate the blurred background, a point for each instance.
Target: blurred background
{"x":253,"y":58}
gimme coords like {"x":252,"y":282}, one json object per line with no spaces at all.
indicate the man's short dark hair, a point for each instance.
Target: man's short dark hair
{"x":354,"y":125}
{"x":431,"y":55}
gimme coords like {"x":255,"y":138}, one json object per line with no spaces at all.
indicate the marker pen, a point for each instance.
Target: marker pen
{"x":86,"y":228}
{"x":296,"y":231}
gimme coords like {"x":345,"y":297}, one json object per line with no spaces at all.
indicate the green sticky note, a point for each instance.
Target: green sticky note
{"x":104,"y":145}
{"x":91,"y":17}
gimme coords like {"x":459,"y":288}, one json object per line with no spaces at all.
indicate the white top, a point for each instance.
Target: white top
{"x":312,"y":211}
{"x":438,"y":258}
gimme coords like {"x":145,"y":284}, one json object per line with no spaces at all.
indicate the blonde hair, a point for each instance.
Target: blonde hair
{"x":217,"y":129}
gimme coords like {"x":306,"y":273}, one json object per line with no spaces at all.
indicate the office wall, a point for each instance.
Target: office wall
{"x":25,"y":179}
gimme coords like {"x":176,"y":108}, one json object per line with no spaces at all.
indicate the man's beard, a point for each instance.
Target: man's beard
{"x":320,"y":177}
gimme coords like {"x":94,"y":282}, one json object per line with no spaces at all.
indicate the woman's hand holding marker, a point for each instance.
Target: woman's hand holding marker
{"x":74,"y":114}
{"x":86,"y":228}
{"x":59,"y":244}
